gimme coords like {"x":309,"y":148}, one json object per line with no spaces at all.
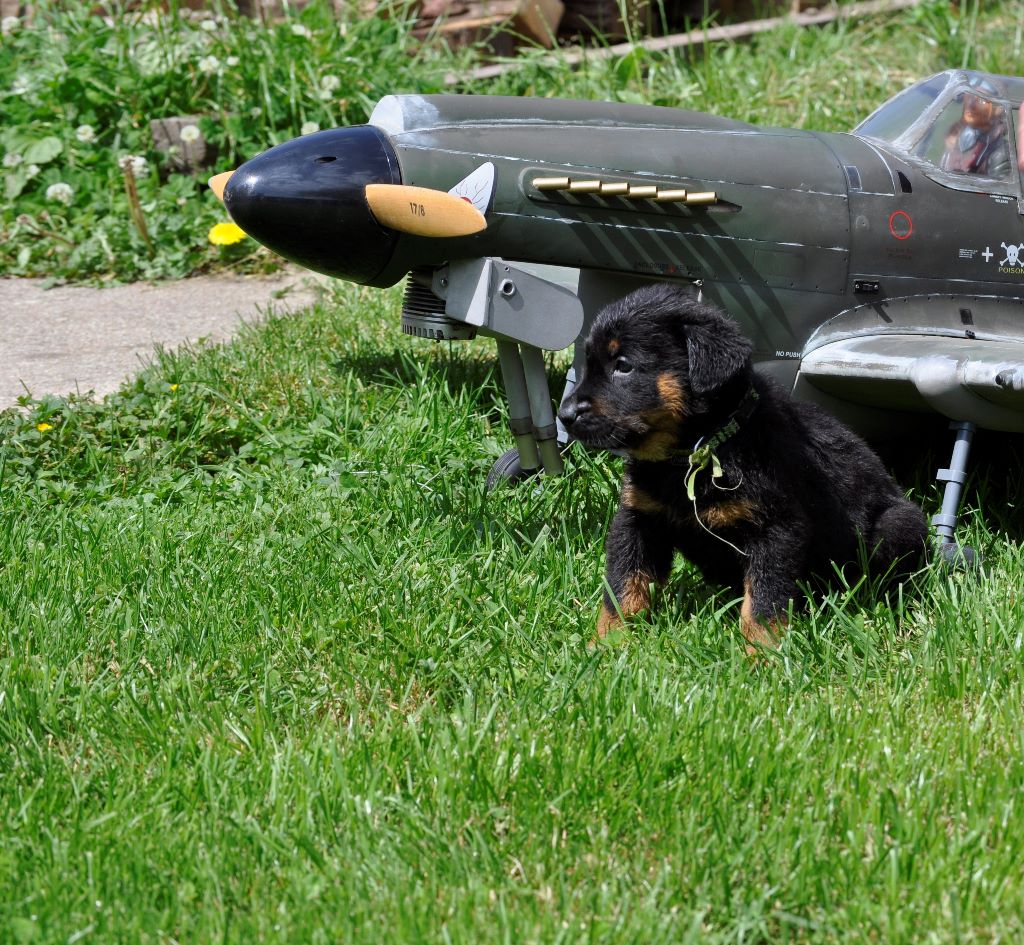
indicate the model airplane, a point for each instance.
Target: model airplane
{"x":879,"y":272}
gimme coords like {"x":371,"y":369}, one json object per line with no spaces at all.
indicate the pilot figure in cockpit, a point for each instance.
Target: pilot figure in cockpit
{"x":976,"y":143}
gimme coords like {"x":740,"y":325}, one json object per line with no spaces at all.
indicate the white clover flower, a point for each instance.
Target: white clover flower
{"x":328,"y":86}
{"x":308,"y":127}
{"x":12,"y":159}
{"x":9,"y":24}
{"x":210,"y":26}
{"x":209,"y":65}
{"x":21,"y":85}
{"x":85,"y":133}
{"x":134,"y":163}
{"x":190,"y":133}
{"x":61,"y":192}
{"x":298,"y":29}
{"x":255,"y":111}
{"x":31,"y":171}
{"x":232,"y":61}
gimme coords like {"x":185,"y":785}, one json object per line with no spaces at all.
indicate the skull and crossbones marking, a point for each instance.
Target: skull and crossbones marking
{"x":1012,"y":254}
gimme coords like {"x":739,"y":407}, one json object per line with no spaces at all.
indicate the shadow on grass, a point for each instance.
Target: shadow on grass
{"x":472,"y":371}
{"x":398,"y":364}
{"x":995,"y":482}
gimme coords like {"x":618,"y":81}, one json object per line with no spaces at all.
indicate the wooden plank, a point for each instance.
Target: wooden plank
{"x":696,"y":38}
{"x":460,"y":22}
{"x":539,"y":19}
{"x":471,"y":30}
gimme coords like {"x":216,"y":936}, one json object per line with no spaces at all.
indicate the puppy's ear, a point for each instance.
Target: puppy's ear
{"x":717,"y":351}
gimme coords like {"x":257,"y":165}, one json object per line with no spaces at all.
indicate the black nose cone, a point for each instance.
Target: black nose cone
{"x":305,"y":200}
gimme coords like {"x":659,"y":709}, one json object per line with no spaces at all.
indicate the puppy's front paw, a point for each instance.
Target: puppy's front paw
{"x":760,"y":633}
{"x":634,"y":598}
{"x":607,"y":621}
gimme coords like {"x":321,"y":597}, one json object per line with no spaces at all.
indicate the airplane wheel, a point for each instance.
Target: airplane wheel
{"x":959,"y":557}
{"x":508,"y":471}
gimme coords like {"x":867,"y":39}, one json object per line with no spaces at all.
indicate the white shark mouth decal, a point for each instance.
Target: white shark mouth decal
{"x":477,"y":188}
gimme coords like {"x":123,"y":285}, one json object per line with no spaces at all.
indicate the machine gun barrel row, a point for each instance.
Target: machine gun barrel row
{"x":625,"y":189}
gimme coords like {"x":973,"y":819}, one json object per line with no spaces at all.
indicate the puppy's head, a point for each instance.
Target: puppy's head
{"x":658,"y":364}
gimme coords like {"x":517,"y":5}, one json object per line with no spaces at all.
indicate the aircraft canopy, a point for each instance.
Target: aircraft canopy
{"x":962,"y":128}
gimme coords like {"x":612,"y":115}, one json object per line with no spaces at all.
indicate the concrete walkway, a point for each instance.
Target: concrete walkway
{"x":77,"y":339}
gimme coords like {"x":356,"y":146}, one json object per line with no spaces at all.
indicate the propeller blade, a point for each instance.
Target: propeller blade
{"x":422,"y":211}
{"x":218,"y":182}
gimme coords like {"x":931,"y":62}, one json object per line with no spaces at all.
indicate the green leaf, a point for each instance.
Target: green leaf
{"x":691,"y":485}
{"x":25,"y":930}
{"x":43,"y":150}
{"x":14,"y":183}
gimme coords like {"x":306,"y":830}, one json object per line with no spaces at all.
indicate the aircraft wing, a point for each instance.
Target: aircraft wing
{"x":961,"y":378}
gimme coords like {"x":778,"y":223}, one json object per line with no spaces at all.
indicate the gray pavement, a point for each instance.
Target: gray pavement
{"x":79,"y":339}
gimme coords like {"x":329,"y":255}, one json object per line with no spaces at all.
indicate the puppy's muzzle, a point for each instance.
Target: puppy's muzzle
{"x":574,"y":410}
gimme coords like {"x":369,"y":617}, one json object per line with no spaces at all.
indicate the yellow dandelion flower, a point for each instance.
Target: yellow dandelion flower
{"x":43,"y":427}
{"x":226,"y":234}
{"x":174,"y":387}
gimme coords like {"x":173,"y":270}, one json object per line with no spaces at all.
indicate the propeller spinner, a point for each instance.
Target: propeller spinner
{"x":334,"y":202}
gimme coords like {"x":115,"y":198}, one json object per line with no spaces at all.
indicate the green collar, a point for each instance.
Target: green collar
{"x":703,"y":453}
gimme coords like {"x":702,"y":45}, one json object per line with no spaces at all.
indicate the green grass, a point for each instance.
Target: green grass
{"x":253,"y":86}
{"x":275,"y":668}
{"x":81,"y":82}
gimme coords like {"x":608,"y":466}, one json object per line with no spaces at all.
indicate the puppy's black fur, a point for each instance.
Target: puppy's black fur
{"x":798,"y":490}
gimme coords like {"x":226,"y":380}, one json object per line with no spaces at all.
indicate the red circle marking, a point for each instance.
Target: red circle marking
{"x":908,"y":225}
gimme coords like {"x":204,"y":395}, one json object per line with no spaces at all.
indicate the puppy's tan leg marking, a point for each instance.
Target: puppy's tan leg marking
{"x":729,"y":513}
{"x":756,"y":633}
{"x":635,"y":598}
{"x":671,"y":393}
{"x":608,"y":620}
{"x":638,"y":500}
{"x":636,"y":595}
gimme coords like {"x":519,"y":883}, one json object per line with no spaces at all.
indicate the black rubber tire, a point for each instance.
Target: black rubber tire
{"x":508,"y":471}
{"x":959,"y":557}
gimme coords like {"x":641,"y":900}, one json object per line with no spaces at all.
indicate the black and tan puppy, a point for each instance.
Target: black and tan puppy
{"x":762,"y":493}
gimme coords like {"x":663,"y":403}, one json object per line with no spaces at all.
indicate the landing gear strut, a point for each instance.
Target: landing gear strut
{"x":531,"y":415}
{"x":945,"y":522}
{"x":527,"y":310}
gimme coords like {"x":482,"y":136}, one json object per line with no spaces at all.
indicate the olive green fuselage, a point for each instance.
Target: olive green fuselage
{"x":808,"y":225}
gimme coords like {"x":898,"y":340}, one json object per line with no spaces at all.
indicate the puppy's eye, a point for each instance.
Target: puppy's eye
{"x":622,"y":366}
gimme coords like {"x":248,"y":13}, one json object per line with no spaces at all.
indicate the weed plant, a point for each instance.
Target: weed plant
{"x":827,"y":79}
{"x":80,"y":83}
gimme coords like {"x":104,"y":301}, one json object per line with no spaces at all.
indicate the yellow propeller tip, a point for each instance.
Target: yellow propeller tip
{"x":218,"y":182}
{"x":423,"y":211}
